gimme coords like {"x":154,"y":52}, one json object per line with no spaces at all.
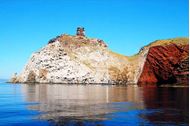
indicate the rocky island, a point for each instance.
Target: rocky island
{"x":79,"y":59}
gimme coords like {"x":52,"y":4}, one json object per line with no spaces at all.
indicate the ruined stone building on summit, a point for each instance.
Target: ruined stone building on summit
{"x":79,"y":37}
{"x":80,"y":31}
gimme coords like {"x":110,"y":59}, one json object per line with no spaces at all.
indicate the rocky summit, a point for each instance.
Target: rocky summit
{"x":78,"y":59}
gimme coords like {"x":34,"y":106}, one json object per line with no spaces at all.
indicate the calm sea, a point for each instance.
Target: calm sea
{"x":92,"y":105}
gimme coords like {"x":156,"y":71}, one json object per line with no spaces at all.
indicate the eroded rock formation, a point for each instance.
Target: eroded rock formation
{"x":78,"y":59}
{"x":166,"y":64}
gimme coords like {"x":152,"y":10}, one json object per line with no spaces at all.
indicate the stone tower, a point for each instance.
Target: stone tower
{"x":80,"y":31}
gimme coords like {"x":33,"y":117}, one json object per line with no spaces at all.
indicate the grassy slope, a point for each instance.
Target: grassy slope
{"x":178,"y":41}
{"x":73,"y":41}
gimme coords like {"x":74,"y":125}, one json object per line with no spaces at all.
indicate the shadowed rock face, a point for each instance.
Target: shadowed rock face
{"x":166,"y":64}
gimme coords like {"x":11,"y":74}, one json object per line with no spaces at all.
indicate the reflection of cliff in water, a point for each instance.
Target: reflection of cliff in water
{"x":82,"y":100}
{"x":123,"y":104}
{"x":173,"y":103}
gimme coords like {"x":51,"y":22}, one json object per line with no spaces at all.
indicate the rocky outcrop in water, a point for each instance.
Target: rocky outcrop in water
{"x":78,"y":59}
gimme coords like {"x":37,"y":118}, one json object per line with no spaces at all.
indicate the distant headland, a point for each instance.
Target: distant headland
{"x":79,"y":59}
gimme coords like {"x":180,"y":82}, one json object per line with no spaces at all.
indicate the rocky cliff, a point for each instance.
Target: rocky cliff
{"x":78,"y":59}
{"x":167,"y":62}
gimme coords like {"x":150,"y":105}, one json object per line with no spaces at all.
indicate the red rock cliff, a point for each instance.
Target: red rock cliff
{"x":166,"y":64}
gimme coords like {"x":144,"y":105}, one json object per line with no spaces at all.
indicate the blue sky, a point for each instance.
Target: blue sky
{"x":125,"y":25}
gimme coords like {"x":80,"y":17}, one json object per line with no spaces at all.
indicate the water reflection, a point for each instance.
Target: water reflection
{"x":111,"y":105}
{"x":80,"y":100}
{"x":174,"y":103}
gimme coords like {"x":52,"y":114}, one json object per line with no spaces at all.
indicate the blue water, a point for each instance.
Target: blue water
{"x":13,"y":108}
{"x":93,"y":105}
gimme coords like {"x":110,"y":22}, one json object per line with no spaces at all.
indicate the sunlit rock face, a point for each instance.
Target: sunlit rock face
{"x":167,"y":63}
{"x":77,"y":59}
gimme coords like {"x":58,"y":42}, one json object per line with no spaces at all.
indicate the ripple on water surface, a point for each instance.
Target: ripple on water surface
{"x":47,"y":104}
